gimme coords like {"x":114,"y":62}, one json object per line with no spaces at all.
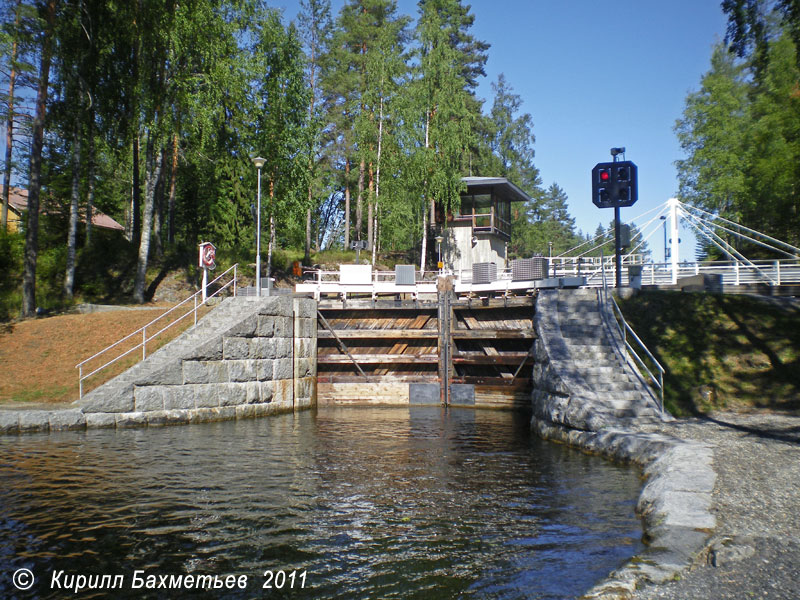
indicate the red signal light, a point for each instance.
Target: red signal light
{"x":604,"y":176}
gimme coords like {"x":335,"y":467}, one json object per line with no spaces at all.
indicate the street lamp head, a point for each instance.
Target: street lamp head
{"x":259,"y":162}
{"x":439,"y":239}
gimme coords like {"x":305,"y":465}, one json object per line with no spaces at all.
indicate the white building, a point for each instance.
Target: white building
{"x":481,"y":231}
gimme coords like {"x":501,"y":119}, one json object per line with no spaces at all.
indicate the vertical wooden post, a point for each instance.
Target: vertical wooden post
{"x":444,"y":289}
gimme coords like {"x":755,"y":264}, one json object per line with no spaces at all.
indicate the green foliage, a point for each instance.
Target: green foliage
{"x":720,"y":350}
{"x":12,"y":246}
{"x":160,"y":106}
{"x":741,"y":137}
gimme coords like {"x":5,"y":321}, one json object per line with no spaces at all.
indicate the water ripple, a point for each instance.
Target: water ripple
{"x":390,"y":503}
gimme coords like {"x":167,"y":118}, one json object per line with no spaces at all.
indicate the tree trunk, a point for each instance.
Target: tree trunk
{"x":90,"y":186}
{"x":153,"y":163}
{"x":271,"y":244}
{"x":424,"y":241}
{"x":136,"y":199}
{"x":173,"y":181}
{"x":359,"y":200}
{"x":347,"y":204}
{"x":34,"y":178}
{"x":370,"y":207}
{"x":72,"y":232}
{"x":307,"y":256}
{"x":424,"y":248}
{"x":12,"y":80}
{"x":158,"y":211}
{"x":377,"y":184}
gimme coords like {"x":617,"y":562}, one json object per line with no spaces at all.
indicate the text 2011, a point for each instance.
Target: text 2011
{"x":279,"y":580}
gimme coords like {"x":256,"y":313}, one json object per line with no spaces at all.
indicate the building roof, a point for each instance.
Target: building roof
{"x":18,"y":202}
{"x":476,"y":185}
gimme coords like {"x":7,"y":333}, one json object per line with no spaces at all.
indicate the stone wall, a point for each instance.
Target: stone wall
{"x":586,"y":395}
{"x":248,"y":357}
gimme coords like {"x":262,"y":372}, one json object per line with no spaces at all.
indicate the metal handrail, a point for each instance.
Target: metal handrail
{"x":143,"y":330}
{"x":623,"y":331}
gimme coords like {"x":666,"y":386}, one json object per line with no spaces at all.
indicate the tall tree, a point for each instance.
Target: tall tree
{"x":446,"y":107}
{"x":741,"y":137}
{"x":13,"y":39}
{"x":713,"y":134}
{"x":34,"y":176}
{"x":282,"y":124}
{"x":316,"y":25}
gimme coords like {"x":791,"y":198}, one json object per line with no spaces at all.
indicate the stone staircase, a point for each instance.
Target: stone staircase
{"x":582,"y":378}
{"x":247,"y":353}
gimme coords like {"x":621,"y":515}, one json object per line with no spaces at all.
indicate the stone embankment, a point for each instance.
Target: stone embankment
{"x":248,"y":357}
{"x":587,"y":395}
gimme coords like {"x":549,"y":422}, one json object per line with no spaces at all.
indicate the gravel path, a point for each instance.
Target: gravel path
{"x":755,"y":550}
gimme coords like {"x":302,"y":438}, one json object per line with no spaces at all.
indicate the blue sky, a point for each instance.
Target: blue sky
{"x":595,"y":75}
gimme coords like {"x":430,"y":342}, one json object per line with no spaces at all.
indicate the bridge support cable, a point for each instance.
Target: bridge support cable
{"x":640,"y":233}
{"x":705,"y":230}
{"x":795,"y":252}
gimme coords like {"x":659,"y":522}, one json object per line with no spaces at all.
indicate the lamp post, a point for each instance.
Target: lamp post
{"x":258,"y":162}
{"x":666,"y":249}
{"x":439,"y":239}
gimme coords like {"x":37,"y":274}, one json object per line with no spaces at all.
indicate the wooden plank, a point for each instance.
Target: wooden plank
{"x":381,"y":305}
{"x":379,"y":359}
{"x":391,"y":334}
{"x":491,"y":334}
{"x":508,"y":358}
{"x":377,"y":379}
{"x":486,"y":381}
{"x":521,"y":301}
{"x":473,"y":324}
{"x":340,"y":343}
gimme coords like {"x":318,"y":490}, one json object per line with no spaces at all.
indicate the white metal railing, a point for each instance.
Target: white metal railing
{"x":733,"y":273}
{"x":142,"y":331}
{"x":625,"y":331}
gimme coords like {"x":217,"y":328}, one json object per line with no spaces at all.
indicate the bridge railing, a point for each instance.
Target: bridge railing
{"x":770,"y":272}
{"x":628,"y":335}
{"x":224,"y":281}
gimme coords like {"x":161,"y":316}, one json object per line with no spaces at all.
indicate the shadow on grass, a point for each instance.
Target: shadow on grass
{"x":720,"y":350}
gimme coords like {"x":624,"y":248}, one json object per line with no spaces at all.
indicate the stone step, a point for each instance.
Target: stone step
{"x":576,"y":335}
{"x":588,"y":349}
{"x":588,"y":320}
{"x":607,"y":361}
{"x":612,"y":386}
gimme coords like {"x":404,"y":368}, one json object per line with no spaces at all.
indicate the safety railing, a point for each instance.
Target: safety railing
{"x":142,"y":332}
{"x":733,"y":273}
{"x":627,"y":333}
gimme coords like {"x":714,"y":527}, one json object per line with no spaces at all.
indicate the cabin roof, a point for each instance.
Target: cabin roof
{"x":501,"y":185}
{"x":18,"y":202}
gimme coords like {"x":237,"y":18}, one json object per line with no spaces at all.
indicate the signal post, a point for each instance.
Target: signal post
{"x":614,"y":185}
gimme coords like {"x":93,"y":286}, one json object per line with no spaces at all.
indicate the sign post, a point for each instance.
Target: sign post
{"x":207,"y":261}
{"x":358,"y":246}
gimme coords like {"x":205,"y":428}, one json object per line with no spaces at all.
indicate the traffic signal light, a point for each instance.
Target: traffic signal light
{"x":614,"y":184}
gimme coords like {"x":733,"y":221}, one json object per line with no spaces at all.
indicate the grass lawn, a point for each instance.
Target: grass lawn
{"x":39,"y":355}
{"x":721,"y":351}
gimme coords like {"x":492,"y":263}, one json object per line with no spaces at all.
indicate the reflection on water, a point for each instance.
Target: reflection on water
{"x":374,"y":502}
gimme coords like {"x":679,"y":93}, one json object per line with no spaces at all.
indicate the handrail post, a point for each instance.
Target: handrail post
{"x":144,"y":342}
{"x":195,"y":309}
{"x":234,"y":279}
{"x":80,"y":381}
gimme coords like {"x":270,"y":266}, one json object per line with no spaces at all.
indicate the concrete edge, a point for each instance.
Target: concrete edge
{"x":49,"y":421}
{"x":674,"y":503}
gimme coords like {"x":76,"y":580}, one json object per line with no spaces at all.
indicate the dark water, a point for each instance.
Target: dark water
{"x":367,"y":503}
